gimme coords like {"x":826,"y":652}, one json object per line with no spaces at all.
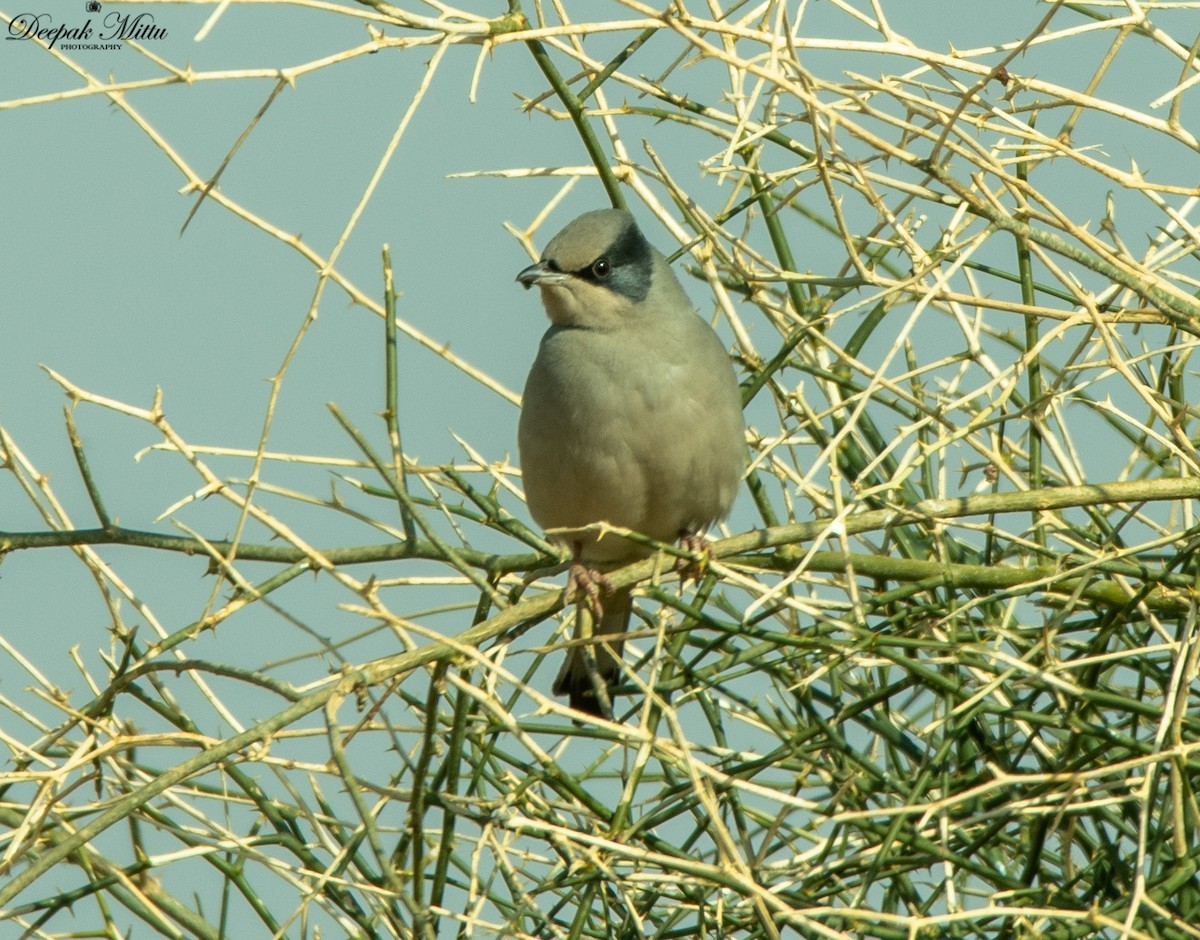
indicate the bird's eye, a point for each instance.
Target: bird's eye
{"x":601,"y":268}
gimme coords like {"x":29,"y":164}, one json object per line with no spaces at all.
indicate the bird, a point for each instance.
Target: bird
{"x":631,"y":416}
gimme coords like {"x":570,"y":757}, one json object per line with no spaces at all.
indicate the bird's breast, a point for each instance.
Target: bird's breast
{"x":621,"y":433}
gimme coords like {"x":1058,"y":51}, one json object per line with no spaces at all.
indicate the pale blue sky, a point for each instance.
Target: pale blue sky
{"x":100,"y":286}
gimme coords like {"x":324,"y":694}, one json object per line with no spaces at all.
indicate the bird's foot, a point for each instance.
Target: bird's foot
{"x":588,"y":582}
{"x":691,"y":569}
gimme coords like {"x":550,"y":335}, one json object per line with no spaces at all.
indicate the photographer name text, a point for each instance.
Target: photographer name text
{"x":117,"y":26}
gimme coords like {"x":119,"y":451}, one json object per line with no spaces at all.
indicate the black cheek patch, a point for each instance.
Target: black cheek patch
{"x":631,"y":280}
{"x":632,"y":265}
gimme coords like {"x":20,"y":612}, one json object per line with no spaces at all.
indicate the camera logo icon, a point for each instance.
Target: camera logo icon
{"x":92,"y":6}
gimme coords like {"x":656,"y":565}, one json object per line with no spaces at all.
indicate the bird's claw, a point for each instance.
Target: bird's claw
{"x":691,"y":569}
{"x":588,"y":582}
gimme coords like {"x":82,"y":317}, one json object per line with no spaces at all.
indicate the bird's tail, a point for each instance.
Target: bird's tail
{"x":575,"y":680}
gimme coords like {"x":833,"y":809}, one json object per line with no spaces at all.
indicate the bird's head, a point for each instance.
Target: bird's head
{"x":595,"y":272}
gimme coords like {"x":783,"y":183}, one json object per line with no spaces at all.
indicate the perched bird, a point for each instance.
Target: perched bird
{"x":631,"y":416}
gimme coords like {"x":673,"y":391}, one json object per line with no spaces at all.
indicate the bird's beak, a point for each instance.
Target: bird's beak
{"x":540,"y":274}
